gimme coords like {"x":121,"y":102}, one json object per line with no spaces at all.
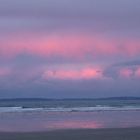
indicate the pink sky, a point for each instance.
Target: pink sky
{"x":83,"y":48}
{"x":69,"y":45}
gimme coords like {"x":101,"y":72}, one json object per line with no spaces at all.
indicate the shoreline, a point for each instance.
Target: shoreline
{"x":76,"y":134}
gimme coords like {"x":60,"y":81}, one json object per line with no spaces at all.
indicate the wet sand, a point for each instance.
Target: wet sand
{"x":79,"y":134}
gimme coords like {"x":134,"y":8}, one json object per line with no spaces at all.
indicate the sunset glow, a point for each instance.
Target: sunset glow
{"x":89,"y":48}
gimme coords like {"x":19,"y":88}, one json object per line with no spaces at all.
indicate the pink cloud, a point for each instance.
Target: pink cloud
{"x":4,"y":71}
{"x":126,"y":73}
{"x":73,"y":74}
{"x":137,"y":73}
{"x":68,"y":45}
{"x":129,"y":72}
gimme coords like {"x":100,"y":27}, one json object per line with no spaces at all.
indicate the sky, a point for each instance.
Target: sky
{"x":69,"y":48}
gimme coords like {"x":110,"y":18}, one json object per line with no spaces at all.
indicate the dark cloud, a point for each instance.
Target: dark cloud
{"x":112,"y":17}
{"x":70,"y":7}
{"x":113,"y":70}
{"x":128,"y":63}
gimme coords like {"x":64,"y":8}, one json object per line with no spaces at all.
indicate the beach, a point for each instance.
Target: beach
{"x":69,"y":70}
{"x":77,"y":134}
{"x":70,"y":120}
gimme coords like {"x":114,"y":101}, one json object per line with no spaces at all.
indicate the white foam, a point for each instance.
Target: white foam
{"x":17,"y":109}
{"x":71,"y":109}
{"x":90,"y":109}
{"x":9,"y":109}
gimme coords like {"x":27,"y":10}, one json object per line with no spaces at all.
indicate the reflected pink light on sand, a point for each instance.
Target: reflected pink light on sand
{"x":75,"y":125}
{"x":45,"y":121}
{"x":46,"y":126}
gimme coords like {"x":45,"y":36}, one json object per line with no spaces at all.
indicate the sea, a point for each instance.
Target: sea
{"x":29,"y":115}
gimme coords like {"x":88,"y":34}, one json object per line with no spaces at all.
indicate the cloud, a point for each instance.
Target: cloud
{"x":137,"y":73}
{"x":123,"y":70}
{"x":126,"y":73}
{"x":128,"y":63}
{"x":44,"y":42}
{"x":69,"y":8}
{"x":67,"y":45}
{"x":4,"y":71}
{"x":69,"y":80}
{"x":85,"y":73}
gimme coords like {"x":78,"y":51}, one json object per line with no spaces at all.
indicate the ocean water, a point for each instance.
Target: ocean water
{"x":45,"y":115}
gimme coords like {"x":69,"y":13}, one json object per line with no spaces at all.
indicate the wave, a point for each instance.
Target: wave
{"x":70,"y":109}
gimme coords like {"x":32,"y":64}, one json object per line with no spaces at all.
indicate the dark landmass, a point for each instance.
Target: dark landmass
{"x":51,"y":99}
